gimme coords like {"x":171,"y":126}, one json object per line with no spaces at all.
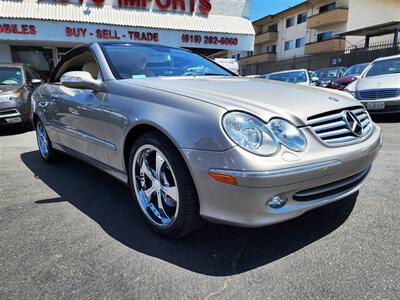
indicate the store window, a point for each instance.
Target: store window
{"x":290,"y":22}
{"x":301,"y":42}
{"x":327,"y":7}
{"x":39,"y":58}
{"x":32,"y":74}
{"x":323,"y":36}
{"x":289,"y":45}
{"x":302,"y":18}
{"x":61,"y":52}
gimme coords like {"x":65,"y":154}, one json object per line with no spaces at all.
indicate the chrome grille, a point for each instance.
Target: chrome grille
{"x":377,"y":94}
{"x":334,"y":129}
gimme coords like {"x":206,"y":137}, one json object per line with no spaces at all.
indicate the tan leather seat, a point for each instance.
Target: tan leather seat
{"x":92,"y":68}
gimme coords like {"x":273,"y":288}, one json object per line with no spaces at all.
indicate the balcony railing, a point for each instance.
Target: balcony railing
{"x":266,"y":37}
{"x":258,"y":58}
{"x":332,"y":45}
{"x":331,"y":17}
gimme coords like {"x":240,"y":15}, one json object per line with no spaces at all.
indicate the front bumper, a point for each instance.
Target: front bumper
{"x":12,"y":113}
{"x":308,"y":179}
{"x":392,"y":105}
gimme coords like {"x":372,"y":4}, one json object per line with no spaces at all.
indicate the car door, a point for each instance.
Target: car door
{"x":78,"y":112}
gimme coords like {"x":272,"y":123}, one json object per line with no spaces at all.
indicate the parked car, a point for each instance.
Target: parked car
{"x":352,"y":74}
{"x":17,"y":82}
{"x":228,"y":63}
{"x":328,"y":75}
{"x":379,"y":86}
{"x":301,"y":77}
{"x":208,"y":145}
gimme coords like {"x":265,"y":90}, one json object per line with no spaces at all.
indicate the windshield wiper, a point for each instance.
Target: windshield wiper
{"x":212,"y":74}
{"x":202,"y":74}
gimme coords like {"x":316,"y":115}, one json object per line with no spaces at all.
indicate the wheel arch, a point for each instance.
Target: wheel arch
{"x":35,"y":118}
{"x":139,"y":129}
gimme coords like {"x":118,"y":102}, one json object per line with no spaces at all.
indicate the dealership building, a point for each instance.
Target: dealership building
{"x":39,"y":32}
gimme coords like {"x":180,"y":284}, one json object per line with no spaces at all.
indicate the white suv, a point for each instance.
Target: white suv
{"x":379,"y":86}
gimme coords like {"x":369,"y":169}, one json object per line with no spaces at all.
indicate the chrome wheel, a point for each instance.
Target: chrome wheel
{"x":42,"y":140}
{"x":155,"y":186}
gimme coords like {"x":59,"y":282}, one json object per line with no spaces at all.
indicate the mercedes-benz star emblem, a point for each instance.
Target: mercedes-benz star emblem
{"x":353,"y":123}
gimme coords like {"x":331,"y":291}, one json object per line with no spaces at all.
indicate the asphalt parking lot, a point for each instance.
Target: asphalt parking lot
{"x":69,"y":231}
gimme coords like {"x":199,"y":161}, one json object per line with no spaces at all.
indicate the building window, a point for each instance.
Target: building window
{"x":327,"y":7}
{"x":273,"y":28}
{"x":323,"y":36}
{"x":301,"y":42}
{"x":290,"y":22}
{"x":271,"y":49}
{"x":301,"y":18}
{"x":289,"y":45}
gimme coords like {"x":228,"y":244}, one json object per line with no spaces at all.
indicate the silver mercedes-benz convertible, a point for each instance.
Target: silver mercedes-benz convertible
{"x":196,"y":142}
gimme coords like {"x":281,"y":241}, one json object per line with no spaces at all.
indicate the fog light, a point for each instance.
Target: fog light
{"x":278,"y":201}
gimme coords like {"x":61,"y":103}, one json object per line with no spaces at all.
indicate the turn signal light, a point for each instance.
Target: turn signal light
{"x":224,"y":178}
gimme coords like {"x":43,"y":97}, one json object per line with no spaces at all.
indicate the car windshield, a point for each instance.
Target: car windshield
{"x":293,"y":77}
{"x":384,"y":67}
{"x":141,"y":61}
{"x":356,"y":70}
{"x":10,"y":76}
{"x":325,"y":73}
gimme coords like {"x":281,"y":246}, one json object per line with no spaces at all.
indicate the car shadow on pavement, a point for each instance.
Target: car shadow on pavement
{"x":386,"y":118}
{"x":213,"y":250}
{"x":14,"y":130}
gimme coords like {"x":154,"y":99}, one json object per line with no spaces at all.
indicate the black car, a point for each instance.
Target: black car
{"x":17,"y":83}
{"x":328,"y":75}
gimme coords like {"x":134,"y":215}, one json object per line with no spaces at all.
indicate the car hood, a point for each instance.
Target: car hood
{"x":8,"y":89}
{"x":378,"y":82}
{"x":347,"y":78}
{"x":260,"y":97}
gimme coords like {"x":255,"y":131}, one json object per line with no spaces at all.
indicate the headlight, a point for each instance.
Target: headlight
{"x":9,"y":97}
{"x":288,"y":135}
{"x":259,"y":138}
{"x":250,"y":133}
{"x":326,"y":83}
{"x":350,"y":92}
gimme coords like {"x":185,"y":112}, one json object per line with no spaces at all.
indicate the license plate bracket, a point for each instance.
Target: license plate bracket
{"x":376,"y":105}
{"x":14,"y":120}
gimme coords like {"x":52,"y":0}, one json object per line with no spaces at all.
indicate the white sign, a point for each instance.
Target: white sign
{"x":33,"y":30}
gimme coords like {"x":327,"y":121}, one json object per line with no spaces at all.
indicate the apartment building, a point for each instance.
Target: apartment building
{"x":311,"y":27}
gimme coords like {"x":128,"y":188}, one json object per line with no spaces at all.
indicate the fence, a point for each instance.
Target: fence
{"x":350,"y":56}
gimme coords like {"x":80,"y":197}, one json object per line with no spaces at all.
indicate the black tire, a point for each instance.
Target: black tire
{"x":188,"y":218}
{"x":51,"y":153}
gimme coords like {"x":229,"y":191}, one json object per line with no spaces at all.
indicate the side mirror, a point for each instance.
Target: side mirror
{"x":314,"y":79}
{"x":80,"y":80}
